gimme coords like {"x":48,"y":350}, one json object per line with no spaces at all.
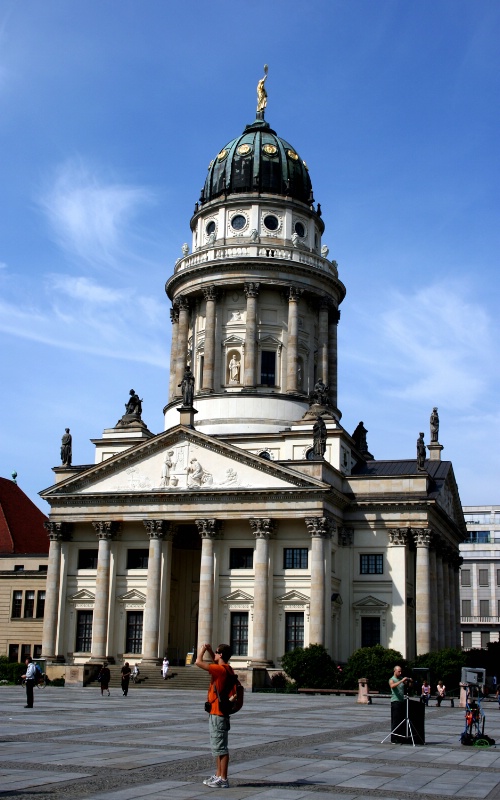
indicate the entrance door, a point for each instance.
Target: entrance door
{"x":184,"y":594}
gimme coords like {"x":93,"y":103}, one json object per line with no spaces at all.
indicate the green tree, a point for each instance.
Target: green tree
{"x":376,"y":664}
{"x":445,"y":665}
{"x":311,"y":667}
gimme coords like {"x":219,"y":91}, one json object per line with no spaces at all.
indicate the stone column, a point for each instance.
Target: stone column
{"x":251,"y":291}
{"x":262,"y":530}
{"x":105,"y":532}
{"x":293,"y":338}
{"x":332,"y":355}
{"x":210,"y":296}
{"x":458,"y":637}
{"x":422,"y":539}
{"x":208,"y":529}
{"x":319,"y":530}
{"x":56,"y":532}
{"x":182,"y":304}
{"x":440,"y":595}
{"x":174,"y":316}
{"x":158,"y":530}
{"x":453,"y":606}
{"x":324,"y":305}
{"x":434,"y":610}
{"x":446,"y":598}
{"x":398,"y":541}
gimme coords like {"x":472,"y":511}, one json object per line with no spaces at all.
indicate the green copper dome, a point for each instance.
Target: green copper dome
{"x":258,"y":161}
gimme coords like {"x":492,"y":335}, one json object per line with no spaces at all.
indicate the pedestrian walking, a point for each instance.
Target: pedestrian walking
{"x":104,"y":678}
{"x":126,"y":673}
{"x":164,"y":668}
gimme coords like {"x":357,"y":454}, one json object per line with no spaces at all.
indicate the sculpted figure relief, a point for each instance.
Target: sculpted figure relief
{"x":319,"y":437}
{"x":187,"y":388}
{"x":261,"y":92}
{"x":234,"y":370}
{"x":320,"y":395}
{"x":168,"y":463}
{"x":421,"y":452}
{"x":66,"y":449}
{"x":134,"y":404}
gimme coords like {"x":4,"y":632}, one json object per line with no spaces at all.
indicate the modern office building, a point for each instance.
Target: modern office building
{"x":480,"y":577}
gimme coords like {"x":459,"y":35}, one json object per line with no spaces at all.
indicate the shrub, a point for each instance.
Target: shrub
{"x":376,"y":664}
{"x":56,"y":682}
{"x":445,"y":665}
{"x":279,"y":680}
{"x":311,"y":667}
{"x":11,"y":671}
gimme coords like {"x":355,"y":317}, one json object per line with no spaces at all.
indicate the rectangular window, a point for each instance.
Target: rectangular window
{"x":484,"y":608}
{"x":37,"y":650}
{"x":465,"y":577}
{"x":498,"y":577}
{"x":84,"y":631}
{"x":294,"y":631}
{"x":466,"y":608}
{"x":40,"y":604}
{"x":241,"y":558}
{"x":17,"y":604}
{"x":137,"y":559}
{"x":372,"y":564}
{"x":19,"y":568}
{"x":43,"y":567}
{"x":467,"y":640}
{"x":25,"y":652}
{"x":239,"y":633}
{"x":478,"y":537}
{"x":134,"y":632}
{"x":370,"y":631}
{"x":13,"y":652}
{"x":483,"y":577}
{"x":268,"y":368}
{"x":498,"y":608}
{"x":87,"y":559}
{"x":295,"y":557}
{"x":29,"y":604}
{"x":202,"y":366}
{"x":485,"y":638}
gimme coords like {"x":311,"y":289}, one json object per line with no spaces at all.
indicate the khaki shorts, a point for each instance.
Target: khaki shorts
{"x":219,"y":729}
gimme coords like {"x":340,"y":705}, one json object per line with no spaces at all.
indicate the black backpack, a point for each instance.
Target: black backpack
{"x":232,"y":696}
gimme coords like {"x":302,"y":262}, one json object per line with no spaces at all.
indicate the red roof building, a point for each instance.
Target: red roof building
{"x":21,"y":522}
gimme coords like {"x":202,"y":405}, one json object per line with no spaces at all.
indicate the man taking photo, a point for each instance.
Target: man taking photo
{"x":219,"y":725}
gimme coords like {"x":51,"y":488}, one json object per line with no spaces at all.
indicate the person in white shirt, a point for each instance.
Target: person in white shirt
{"x":29,"y":677}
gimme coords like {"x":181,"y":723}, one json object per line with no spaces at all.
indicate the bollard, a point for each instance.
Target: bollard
{"x":363,"y":692}
{"x":463,"y":695}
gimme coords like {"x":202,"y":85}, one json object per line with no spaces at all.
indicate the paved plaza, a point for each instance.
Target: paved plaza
{"x":154,"y":744}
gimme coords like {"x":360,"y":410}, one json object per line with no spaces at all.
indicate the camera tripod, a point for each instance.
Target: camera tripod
{"x":407,"y":729}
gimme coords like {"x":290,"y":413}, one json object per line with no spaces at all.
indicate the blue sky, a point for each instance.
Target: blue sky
{"x":110,"y":111}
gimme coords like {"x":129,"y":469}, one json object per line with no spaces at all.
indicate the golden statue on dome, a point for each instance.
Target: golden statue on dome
{"x":261,"y":93}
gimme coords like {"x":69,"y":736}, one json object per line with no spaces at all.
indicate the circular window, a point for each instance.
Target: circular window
{"x":299,"y":229}
{"x":244,"y":149}
{"x":265,"y":454}
{"x":292,"y":155}
{"x":238,"y":222}
{"x":271,"y":222}
{"x":222,"y":155}
{"x":210,"y":227}
{"x":270,"y":149}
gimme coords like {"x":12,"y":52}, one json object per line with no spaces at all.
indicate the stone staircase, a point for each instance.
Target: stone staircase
{"x":150,"y":678}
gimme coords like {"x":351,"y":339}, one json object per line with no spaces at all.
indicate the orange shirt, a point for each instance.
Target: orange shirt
{"x":218,"y":674}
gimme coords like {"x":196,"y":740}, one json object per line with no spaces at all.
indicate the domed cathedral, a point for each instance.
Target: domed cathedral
{"x":254,"y":517}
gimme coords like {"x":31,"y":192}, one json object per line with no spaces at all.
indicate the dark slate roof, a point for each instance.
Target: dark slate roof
{"x":436,"y":469}
{"x":21,"y":522}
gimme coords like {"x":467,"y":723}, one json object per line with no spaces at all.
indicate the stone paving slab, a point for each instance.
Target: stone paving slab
{"x":154,"y":745}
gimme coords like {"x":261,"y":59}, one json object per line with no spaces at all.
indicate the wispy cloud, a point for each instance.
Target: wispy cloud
{"x":431,"y":346}
{"x":90,"y":216}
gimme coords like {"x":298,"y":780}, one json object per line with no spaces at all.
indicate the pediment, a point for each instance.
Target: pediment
{"x":237,"y":597}
{"x":235,"y":341}
{"x":186,"y":461}
{"x":82,"y":596}
{"x":292,"y":597}
{"x":133,"y":596}
{"x":370,"y":602}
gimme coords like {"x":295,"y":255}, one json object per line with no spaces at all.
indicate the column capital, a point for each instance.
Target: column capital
{"x":346,"y":536}
{"x":174,"y":315}
{"x":319,"y":527}
{"x":181,"y":301}
{"x":251,"y":289}
{"x":422,"y":537}
{"x":57,"y":531}
{"x":399,"y":537}
{"x":160,"y":528}
{"x":262,"y":527}
{"x":294,"y":294}
{"x":208,"y":528}
{"x":106,"y":529}
{"x":209,"y":292}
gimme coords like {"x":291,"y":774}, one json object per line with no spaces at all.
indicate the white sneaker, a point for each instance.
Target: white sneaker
{"x":209,"y":781}
{"x":216,"y":782}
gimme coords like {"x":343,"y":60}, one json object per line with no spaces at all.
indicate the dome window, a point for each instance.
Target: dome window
{"x":222,"y":155}
{"x":210,"y":228}
{"x":299,"y":229}
{"x":238,"y":222}
{"x":292,"y":155}
{"x":270,"y":149}
{"x":244,"y":150}
{"x":271,"y":222}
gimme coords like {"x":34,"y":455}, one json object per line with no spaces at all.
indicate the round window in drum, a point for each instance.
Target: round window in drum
{"x":299,"y":229}
{"x":210,"y":228}
{"x":271,"y":222}
{"x":238,"y":222}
